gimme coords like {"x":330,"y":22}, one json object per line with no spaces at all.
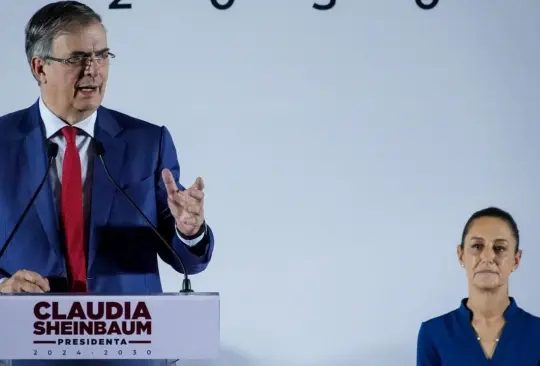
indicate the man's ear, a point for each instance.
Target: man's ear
{"x":37,"y":65}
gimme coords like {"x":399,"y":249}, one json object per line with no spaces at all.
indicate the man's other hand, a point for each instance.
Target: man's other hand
{"x":25,"y":281}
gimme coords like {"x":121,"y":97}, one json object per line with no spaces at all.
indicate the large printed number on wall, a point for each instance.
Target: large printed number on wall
{"x":226,"y":4}
{"x":427,"y":4}
{"x":328,"y":6}
{"x":117,"y":4}
{"x":219,"y":6}
{"x":216,"y":4}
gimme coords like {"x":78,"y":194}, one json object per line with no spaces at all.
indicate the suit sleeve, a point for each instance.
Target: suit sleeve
{"x":426,"y":353}
{"x":195,"y":257}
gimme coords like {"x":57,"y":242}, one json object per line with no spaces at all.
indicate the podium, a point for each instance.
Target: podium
{"x":71,"y":326}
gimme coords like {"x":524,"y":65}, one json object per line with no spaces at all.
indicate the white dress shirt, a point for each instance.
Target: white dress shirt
{"x":53,"y":125}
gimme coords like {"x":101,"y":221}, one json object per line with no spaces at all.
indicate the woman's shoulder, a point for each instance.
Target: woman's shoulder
{"x":530,"y":319}
{"x":440,"y":318}
{"x":435,"y":323}
{"x":446,"y":323}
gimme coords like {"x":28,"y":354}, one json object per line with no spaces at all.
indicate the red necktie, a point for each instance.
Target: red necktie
{"x":72,"y":212}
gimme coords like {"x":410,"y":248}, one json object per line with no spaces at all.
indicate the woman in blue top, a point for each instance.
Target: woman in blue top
{"x":488,"y":328}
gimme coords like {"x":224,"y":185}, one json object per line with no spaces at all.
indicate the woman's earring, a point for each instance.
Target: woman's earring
{"x":462,"y":265}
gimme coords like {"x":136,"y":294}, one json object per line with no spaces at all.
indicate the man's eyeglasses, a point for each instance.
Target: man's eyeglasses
{"x":83,"y":60}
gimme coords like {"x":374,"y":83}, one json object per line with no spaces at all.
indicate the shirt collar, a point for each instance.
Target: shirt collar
{"x":53,"y":124}
{"x":508,"y":314}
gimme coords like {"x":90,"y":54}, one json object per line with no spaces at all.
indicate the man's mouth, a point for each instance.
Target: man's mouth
{"x":87,"y":88}
{"x":88,"y":91}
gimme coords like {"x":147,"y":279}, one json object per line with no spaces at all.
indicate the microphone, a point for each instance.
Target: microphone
{"x":58,"y":284}
{"x":52,"y":151}
{"x":186,"y":283}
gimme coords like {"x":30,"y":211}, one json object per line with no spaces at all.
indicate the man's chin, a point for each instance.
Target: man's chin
{"x":87,"y":105}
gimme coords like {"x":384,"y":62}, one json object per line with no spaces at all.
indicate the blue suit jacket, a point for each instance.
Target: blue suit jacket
{"x":122,"y":252}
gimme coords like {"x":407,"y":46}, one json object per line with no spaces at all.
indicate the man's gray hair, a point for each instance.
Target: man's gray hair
{"x":53,"y":20}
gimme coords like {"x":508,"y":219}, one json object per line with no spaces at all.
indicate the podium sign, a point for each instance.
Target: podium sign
{"x":68,"y":326}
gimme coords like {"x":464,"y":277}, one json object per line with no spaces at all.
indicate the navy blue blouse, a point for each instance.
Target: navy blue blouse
{"x":450,"y":340}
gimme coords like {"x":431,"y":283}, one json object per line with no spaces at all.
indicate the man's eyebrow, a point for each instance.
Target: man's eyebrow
{"x":81,"y":53}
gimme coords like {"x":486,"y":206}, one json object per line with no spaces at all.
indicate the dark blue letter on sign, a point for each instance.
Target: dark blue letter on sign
{"x":328,"y":6}
{"x":219,"y":6}
{"x":429,"y":6}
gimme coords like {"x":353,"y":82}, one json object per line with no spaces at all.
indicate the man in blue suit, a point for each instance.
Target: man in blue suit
{"x":81,"y":228}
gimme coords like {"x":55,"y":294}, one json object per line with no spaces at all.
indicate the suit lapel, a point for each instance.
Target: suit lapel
{"x":103,"y":190}
{"x":35,"y":162}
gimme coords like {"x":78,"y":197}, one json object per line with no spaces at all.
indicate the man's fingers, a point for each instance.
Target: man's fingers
{"x":198,"y":195}
{"x":190,"y":221}
{"x":14,"y":285}
{"x":43,"y":284}
{"x":168,"y":179}
{"x":187,"y":202}
{"x":195,"y":209}
{"x":178,"y":199}
{"x":33,"y":278}
{"x":25,"y":281}
{"x":25,"y":286}
{"x":199,"y":183}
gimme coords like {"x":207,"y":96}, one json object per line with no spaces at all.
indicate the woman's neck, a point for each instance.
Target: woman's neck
{"x":488,"y":306}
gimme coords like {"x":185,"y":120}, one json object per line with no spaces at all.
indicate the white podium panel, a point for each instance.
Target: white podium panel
{"x":68,"y":326}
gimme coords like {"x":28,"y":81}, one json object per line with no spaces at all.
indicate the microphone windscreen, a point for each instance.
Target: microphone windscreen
{"x":98,"y":147}
{"x":58,"y":284}
{"x":52,"y":150}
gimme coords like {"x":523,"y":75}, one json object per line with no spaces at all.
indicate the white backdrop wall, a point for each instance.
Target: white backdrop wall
{"x":343,"y":151}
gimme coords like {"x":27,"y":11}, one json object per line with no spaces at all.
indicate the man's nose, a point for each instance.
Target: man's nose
{"x":91,"y":67}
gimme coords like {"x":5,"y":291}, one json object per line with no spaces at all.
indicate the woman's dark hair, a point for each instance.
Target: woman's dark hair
{"x":492,"y":212}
